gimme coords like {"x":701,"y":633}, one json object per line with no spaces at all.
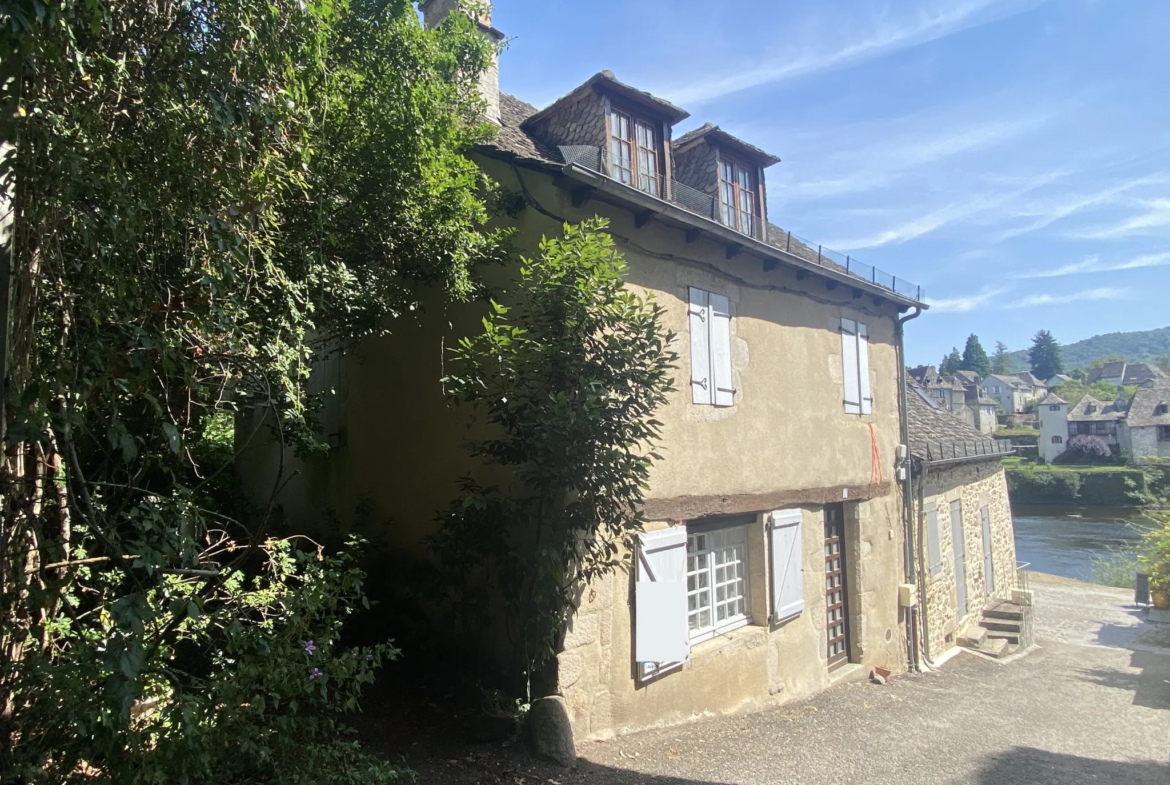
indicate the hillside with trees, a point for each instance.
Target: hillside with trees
{"x":1145,"y":346}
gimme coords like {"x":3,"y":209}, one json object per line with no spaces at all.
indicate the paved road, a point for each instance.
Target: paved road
{"x":1090,"y":704}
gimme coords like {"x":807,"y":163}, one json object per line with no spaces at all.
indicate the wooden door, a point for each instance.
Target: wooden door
{"x":960,"y":557}
{"x":988,"y":561}
{"x":836,"y":589}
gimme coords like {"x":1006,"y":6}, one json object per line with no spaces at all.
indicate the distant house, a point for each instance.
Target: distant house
{"x":948,"y":391}
{"x":980,"y":412}
{"x":1057,"y":380}
{"x":1090,"y":417}
{"x":1011,"y":393}
{"x":960,"y":395}
{"x":1038,"y":387}
{"x":968,"y":378}
{"x":1145,"y":432}
{"x":1128,"y":374}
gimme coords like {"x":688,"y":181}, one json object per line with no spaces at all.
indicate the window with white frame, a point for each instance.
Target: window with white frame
{"x":717,"y":582}
{"x":709,"y":315}
{"x":855,"y":367}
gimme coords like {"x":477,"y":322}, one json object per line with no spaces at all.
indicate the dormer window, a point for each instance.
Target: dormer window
{"x":635,"y":150}
{"x":1162,"y":408}
{"x":737,"y":188}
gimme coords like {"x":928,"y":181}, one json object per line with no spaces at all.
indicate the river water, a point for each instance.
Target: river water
{"x":1065,"y":540}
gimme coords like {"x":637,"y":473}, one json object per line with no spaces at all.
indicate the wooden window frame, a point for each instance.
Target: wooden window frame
{"x":1164,"y":433}
{"x":656,"y":179}
{"x":739,"y":169}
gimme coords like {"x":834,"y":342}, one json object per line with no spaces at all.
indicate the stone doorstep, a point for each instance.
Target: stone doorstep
{"x":848,"y":673}
{"x":1004,"y":610}
{"x":973,"y":638}
{"x":1013,"y":627}
{"x":1011,"y":637}
{"x":995,"y":647}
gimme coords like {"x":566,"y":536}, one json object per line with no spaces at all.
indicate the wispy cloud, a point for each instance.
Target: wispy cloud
{"x":967,"y":304}
{"x":882,"y":37}
{"x":1049,"y":213}
{"x":1094,"y":265}
{"x":1036,"y":300}
{"x":1156,"y":216}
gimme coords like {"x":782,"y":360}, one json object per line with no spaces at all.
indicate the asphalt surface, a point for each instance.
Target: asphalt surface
{"x":1089,"y":704}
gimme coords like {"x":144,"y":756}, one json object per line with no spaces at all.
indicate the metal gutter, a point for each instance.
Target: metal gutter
{"x":643,"y":202}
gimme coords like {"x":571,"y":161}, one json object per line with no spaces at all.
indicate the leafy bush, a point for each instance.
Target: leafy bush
{"x":1156,"y":559}
{"x":1118,"y":568}
{"x":175,"y":684}
{"x":1086,"y":450}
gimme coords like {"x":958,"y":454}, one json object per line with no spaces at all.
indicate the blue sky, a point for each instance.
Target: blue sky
{"x":1011,"y":156}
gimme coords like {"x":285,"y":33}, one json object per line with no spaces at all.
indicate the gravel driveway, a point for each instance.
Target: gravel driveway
{"x":1089,"y":704}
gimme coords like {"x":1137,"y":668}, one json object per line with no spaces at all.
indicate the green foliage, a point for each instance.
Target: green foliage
{"x":1074,"y":391}
{"x":975,"y":358}
{"x":1001,"y":362}
{"x":1045,"y":356}
{"x":1146,"y":346}
{"x":201,"y":189}
{"x":1118,"y":568}
{"x":569,"y":379}
{"x":1086,"y":450}
{"x":174,"y":682}
{"x":1156,"y":557}
{"x":1108,"y":486}
{"x":952,"y":363}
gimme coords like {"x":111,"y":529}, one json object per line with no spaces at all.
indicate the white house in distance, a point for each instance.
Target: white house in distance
{"x":1053,"y":427}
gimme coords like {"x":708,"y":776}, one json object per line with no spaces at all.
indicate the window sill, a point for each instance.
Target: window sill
{"x":747,"y":635}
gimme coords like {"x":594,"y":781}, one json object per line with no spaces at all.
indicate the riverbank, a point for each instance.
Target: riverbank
{"x":1031,"y":483}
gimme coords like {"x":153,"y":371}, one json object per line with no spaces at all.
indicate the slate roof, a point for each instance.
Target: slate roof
{"x":932,"y":427}
{"x":1052,"y":399}
{"x":1092,"y":410}
{"x":606,"y":78}
{"x":1143,"y":407}
{"x":1113,"y":370}
{"x":722,"y":137}
{"x":1027,"y":377}
{"x":968,"y":377}
{"x":1143,"y":373}
{"x":1010,"y":381}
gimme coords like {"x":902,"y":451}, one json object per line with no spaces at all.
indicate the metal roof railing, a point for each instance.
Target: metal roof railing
{"x":960,"y":450}
{"x":705,"y":205}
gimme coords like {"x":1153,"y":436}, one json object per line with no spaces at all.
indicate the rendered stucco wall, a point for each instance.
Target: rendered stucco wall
{"x":975,"y":485}
{"x":787,"y":434}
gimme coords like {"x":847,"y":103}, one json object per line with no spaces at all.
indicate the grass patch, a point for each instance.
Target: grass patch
{"x":1017,"y":432}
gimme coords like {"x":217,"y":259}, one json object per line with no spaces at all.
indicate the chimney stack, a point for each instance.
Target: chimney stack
{"x":435,"y":13}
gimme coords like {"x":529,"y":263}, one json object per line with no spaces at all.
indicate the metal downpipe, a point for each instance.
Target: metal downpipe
{"x":907,"y":486}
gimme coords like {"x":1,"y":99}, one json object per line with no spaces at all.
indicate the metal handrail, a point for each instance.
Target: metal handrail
{"x":1022,"y":576}
{"x":705,"y":205}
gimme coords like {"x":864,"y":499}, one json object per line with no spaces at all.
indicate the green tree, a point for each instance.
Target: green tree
{"x":1044,"y":356}
{"x":201,"y":189}
{"x":975,"y":358}
{"x":951,"y":363}
{"x":1163,"y":361}
{"x":570,"y":378}
{"x":1001,"y":362}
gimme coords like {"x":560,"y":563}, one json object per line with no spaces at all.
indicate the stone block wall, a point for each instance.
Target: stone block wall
{"x":1143,"y":444}
{"x":581,"y":122}
{"x":975,"y":485}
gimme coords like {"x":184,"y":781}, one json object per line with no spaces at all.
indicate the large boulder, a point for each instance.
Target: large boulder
{"x":549,"y":732}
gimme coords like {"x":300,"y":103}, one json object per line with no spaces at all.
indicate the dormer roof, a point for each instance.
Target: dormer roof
{"x":713,"y":133}
{"x":607,"y":82}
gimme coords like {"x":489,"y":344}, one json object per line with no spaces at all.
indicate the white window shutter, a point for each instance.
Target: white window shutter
{"x":849,"y":366}
{"x":720,"y":310}
{"x":699,"y":315}
{"x":787,"y":566}
{"x":863,"y":369}
{"x":934,"y":552}
{"x":661,"y":636}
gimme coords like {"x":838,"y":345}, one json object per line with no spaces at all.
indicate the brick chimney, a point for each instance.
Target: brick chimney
{"x":435,"y":12}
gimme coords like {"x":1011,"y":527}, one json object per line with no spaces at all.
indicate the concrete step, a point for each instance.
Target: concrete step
{"x":973,"y":638}
{"x":1004,"y":610}
{"x":996,"y":625}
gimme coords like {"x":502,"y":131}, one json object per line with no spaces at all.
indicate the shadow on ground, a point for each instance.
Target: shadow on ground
{"x":1145,"y":642}
{"x":1027,"y":766}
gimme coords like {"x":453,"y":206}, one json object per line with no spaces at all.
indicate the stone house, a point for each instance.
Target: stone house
{"x":1011,"y":393}
{"x":771,"y":562}
{"x":1145,"y":431}
{"x":965,"y":538}
{"x":1089,"y":417}
{"x":1126,"y":374}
